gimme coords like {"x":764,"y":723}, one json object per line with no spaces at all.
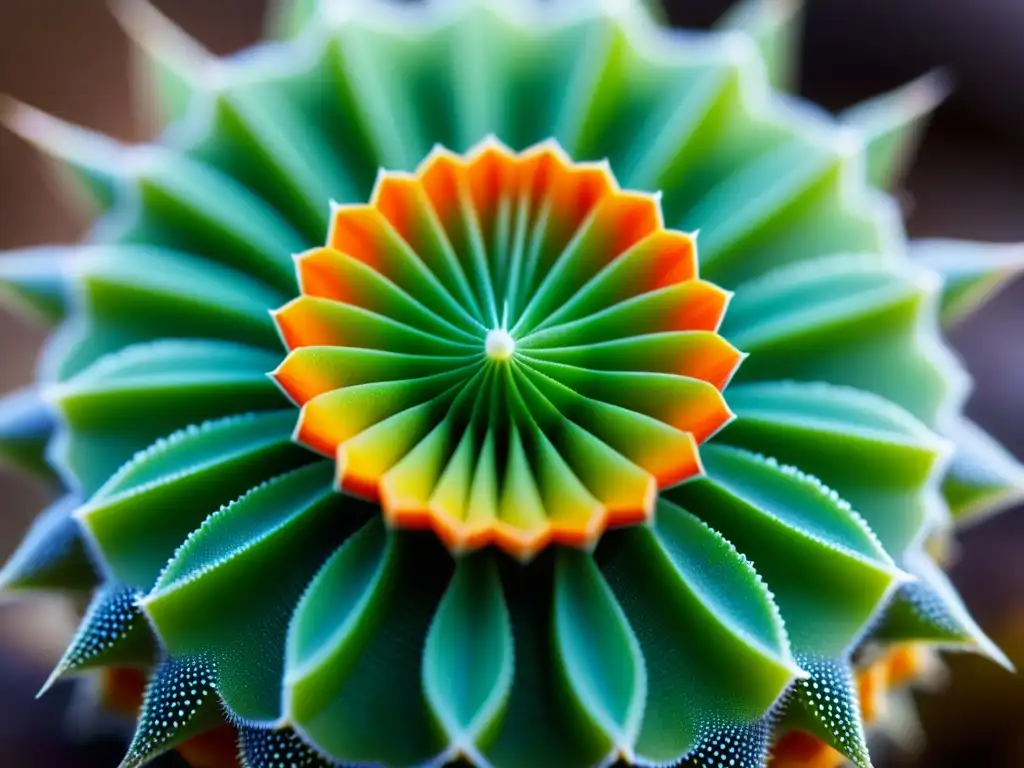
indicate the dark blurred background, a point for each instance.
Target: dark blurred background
{"x":69,"y":57}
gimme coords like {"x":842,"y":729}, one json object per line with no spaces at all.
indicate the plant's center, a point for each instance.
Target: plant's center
{"x":499,"y":345}
{"x":506,"y":348}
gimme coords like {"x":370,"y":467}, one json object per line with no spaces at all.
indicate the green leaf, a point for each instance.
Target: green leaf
{"x":255,"y":135}
{"x":743,"y":746}
{"x":893,"y":124}
{"x":185,"y":205}
{"x":544,"y":724}
{"x":266,"y":748}
{"x":52,"y":554}
{"x":983,"y":477}
{"x":930,"y":610}
{"x":34,"y":281}
{"x":85,"y":161}
{"x":164,"y":385}
{"x":170,"y":67}
{"x":775,"y":26}
{"x":26,"y":425}
{"x":180,"y":702}
{"x":972,"y":271}
{"x":713,"y":641}
{"x":143,"y":513}
{"x":825,"y":704}
{"x":132,"y":294}
{"x":353,"y":681}
{"x":824,"y":566}
{"x":875,"y":455}
{"x":468,"y":660}
{"x":599,"y":653}
{"x":833,"y":318}
{"x":113,"y":633}
{"x":287,"y":18}
{"x":246,"y":568}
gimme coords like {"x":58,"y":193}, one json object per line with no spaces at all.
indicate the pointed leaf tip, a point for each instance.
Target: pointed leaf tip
{"x":52,"y":555}
{"x":983,"y":477}
{"x":180,"y":702}
{"x":26,"y":425}
{"x":892,"y":124}
{"x":738,"y":746}
{"x":929,"y":610}
{"x":774,"y":26}
{"x":973,"y":272}
{"x":826,"y":705}
{"x":113,"y":632}
{"x":171,"y":64}
{"x":93,"y":162}
{"x":264,"y":748}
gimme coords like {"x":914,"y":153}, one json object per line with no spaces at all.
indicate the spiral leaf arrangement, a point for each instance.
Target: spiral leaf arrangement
{"x":518,"y":517}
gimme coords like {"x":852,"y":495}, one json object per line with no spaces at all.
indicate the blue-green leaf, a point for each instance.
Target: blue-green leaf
{"x":826,"y":705}
{"x":270,"y":748}
{"x":113,"y":632}
{"x":180,"y":702}
{"x":775,"y":26}
{"x":599,"y":653}
{"x":468,"y":661}
{"x":972,"y":271}
{"x":26,"y":425}
{"x":714,"y":645}
{"x":874,"y":454}
{"x":147,"y":509}
{"x":52,"y":554}
{"x":246,"y":567}
{"x":892,"y":125}
{"x":983,"y":477}
{"x":34,"y":280}
{"x":353,"y":680}
{"x":824,"y":566}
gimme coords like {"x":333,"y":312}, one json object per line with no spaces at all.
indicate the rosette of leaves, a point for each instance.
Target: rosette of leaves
{"x":505,"y":258}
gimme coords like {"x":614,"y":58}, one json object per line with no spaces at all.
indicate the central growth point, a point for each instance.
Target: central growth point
{"x":499,"y":345}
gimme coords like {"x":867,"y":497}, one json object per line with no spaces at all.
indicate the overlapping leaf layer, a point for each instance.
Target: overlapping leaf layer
{"x":500,"y":344}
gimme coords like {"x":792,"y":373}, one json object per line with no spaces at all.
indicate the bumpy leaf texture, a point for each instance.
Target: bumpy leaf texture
{"x":625,"y":418}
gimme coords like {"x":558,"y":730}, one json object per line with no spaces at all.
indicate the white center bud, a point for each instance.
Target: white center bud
{"x":499,"y":345}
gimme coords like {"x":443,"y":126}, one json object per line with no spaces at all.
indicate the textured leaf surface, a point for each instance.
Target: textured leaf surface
{"x":143,"y":513}
{"x":180,"y":702}
{"x":834,"y":572}
{"x":113,"y":632}
{"x":930,"y":610}
{"x":826,"y":705}
{"x":875,"y":455}
{"x":260,"y":748}
{"x":833,"y":318}
{"x":706,"y":625}
{"x":506,"y":347}
{"x":246,"y":567}
{"x":167,"y":385}
{"x":733,"y":746}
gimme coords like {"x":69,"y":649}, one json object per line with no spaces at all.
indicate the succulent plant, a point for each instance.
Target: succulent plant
{"x":389,"y":392}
